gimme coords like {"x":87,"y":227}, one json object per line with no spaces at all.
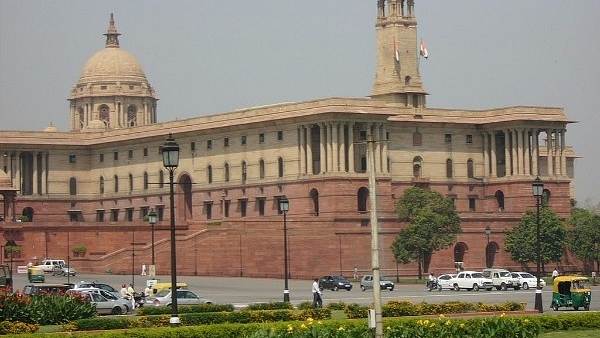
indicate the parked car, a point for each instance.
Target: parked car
{"x":184,"y":297}
{"x":527,"y":280}
{"x":104,"y":306}
{"x":63,"y":270}
{"x":367,"y":283}
{"x":334,"y":283}
{"x":34,"y":289}
{"x":502,"y":279}
{"x":446,"y":281}
{"x":103,"y":286}
{"x":471,"y":280}
{"x":106,"y":294}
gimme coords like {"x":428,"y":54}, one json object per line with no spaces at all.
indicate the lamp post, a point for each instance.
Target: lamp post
{"x":170,"y":152}
{"x":284,"y":206}
{"x":538,"y":190}
{"x":152,"y":221}
{"x":488,"y":232}
{"x":133,"y":257}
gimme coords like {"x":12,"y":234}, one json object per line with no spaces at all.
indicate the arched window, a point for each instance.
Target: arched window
{"x":73,"y":186}
{"x":145,"y":180}
{"x":132,"y":116}
{"x":546,"y":198}
{"x":226,"y":172}
{"x":449,"y":168}
{"x":116,"y":178}
{"x":500,"y":199}
{"x":81,"y":117}
{"x":417,"y":166}
{"x":261,"y":165}
{"x":363,"y":197}
{"x":470,"y":168}
{"x":104,"y":114}
{"x":280,"y":167}
{"x":130,"y":182}
{"x":209,"y":176}
{"x":314,"y":195}
{"x":244,"y":172}
{"x":161,"y":179}
{"x":101,"y":184}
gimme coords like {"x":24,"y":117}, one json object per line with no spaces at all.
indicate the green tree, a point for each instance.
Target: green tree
{"x":521,"y":241}
{"x":584,"y":236}
{"x":433,"y":225}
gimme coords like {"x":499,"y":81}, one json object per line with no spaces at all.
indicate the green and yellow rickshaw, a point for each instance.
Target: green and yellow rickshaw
{"x":571,"y":291}
{"x":35,"y":275}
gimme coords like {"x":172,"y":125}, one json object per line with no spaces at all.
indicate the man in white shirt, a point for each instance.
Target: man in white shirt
{"x":431,"y":279}
{"x":554,"y":274}
{"x":316,"y":291}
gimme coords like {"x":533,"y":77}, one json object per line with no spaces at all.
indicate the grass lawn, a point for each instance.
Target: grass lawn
{"x":572,"y":334}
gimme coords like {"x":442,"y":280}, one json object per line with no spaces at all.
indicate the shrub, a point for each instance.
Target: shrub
{"x":271,"y":306}
{"x":162,"y":310}
{"x":336,"y":305}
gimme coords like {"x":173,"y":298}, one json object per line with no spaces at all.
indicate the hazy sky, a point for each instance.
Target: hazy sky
{"x":207,"y":57}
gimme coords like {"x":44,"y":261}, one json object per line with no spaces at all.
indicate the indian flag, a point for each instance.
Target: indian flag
{"x":424,"y":49}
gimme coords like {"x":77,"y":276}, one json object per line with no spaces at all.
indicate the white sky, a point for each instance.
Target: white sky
{"x":207,"y":57}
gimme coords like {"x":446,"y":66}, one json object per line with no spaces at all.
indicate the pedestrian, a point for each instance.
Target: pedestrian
{"x":131,"y":292}
{"x":316,"y":291}
{"x":554,"y":274}
{"x":144,"y":269}
{"x":355,"y":273}
{"x":124,"y":293}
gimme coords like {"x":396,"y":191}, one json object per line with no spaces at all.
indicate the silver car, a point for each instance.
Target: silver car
{"x":63,"y":270}
{"x":104,"y":306}
{"x":184,"y":297}
{"x":367,"y":283}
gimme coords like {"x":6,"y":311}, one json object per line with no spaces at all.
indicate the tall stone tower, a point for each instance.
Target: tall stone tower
{"x":397,"y":77}
{"x":112,"y":91}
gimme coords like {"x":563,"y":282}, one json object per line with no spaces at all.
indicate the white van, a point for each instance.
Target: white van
{"x":502,"y":279}
{"x":48,"y":265}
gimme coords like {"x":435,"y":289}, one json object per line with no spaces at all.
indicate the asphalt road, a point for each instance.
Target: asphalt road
{"x":242,"y":291}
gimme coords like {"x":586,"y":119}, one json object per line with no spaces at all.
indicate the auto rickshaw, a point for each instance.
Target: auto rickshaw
{"x":35,"y":275}
{"x":571,"y":291}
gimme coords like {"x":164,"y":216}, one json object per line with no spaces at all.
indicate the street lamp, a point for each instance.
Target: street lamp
{"x":152,"y":221}
{"x":170,"y":152}
{"x":284,"y":206}
{"x":538,"y":190}
{"x":488,"y":232}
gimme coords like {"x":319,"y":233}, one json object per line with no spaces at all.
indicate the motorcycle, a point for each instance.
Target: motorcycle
{"x":139,"y":299}
{"x":433,"y":285}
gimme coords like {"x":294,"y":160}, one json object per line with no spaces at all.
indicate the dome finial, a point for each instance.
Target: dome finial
{"x":112,"y":36}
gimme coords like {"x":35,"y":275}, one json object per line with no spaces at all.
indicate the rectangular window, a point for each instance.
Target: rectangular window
{"x":114,"y":215}
{"x":131,"y":87}
{"x":469,"y":138}
{"x":243,"y":206}
{"x":101,"y":157}
{"x":208,"y":210}
{"x":226,"y":211}
{"x":160,"y":213}
{"x":261,"y":206}
{"x":143,"y":212}
{"x":145,"y":152}
{"x":362,"y":135}
{"x":261,"y":138}
{"x":472,"y":203}
{"x":103,"y":87}
{"x":448,"y":138}
{"x":129,"y":214}
{"x":209,"y":144}
{"x":193,"y":146}
{"x":99,"y":215}
{"x":130,"y":154}
{"x":417,"y":139}
{"x":226,"y":142}
{"x":244,"y":140}
{"x":72,"y":158}
{"x":116,"y":155}
{"x":280,"y":135}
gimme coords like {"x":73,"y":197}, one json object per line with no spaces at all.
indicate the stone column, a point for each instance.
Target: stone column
{"x":493,"y":159}
{"x":323,"y":144}
{"x":384,"y":149}
{"x":302,"y":149}
{"x":515,"y":156}
{"x":563,"y":153}
{"x":335,"y":145}
{"x":507,"y":152}
{"x":34,"y":189}
{"x":351,"y":147}
{"x":535,"y":152}
{"x":486,"y":157}
{"x":549,"y":151}
{"x":342,"y":154}
{"x":527,"y":155}
{"x":309,"y":159}
{"x":519,"y":149}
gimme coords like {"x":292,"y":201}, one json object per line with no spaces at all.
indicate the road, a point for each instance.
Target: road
{"x":242,"y":291}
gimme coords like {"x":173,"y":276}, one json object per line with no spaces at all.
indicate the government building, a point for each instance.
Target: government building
{"x":85,"y":194}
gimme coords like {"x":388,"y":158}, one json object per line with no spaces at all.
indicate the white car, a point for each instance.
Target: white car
{"x":446,"y":281}
{"x":104,"y":306}
{"x":184,"y":297}
{"x":528,"y":280}
{"x":471,"y":280}
{"x":106,"y":294}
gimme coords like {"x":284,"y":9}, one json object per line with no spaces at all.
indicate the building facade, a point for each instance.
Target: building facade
{"x":94,"y":185}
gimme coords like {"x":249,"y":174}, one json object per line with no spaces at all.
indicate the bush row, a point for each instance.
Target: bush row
{"x":497,"y":326}
{"x":163,"y":310}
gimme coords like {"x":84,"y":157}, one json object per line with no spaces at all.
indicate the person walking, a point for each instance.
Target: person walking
{"x":554,"y":274}
{"x":144,"y":269}
{"x":131,"y":293}
{"x":316,"y":291}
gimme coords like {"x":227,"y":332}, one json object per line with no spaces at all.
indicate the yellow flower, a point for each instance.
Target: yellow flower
{"x":448,"y":323}
{"x":420,"y":322}
{"x":388,"y":328}
{"x":442,"y":317}
{"x":462,"y":325}
{"x":341,"y":328}
{"x":303,"y":326}
{"x":310,"y":320}
{"x":319,"y":322}
{"x":290,"y":328}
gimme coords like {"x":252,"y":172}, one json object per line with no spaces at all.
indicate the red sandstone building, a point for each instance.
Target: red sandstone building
{"x":92,"y":187}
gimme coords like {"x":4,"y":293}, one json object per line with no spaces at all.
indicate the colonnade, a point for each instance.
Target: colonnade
{"x":517,"y":152}
{"x":340,"y":147}
{"x":118,"y":116}
{"x":18,"y":169}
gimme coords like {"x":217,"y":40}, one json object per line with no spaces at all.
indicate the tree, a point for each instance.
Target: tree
{"x":433,"y":225}
{"x":584,"y":236}
{"x":521,"y":241}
